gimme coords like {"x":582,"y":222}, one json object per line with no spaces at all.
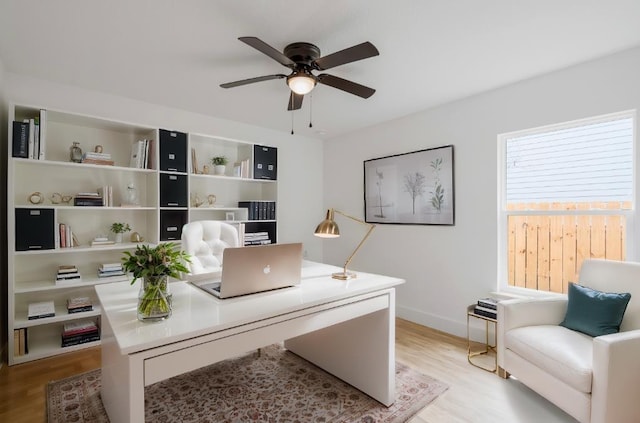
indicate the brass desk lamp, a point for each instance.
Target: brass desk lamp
{"x":328,"y":228}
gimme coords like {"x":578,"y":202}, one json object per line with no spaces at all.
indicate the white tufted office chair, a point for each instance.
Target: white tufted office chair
{"x":205,"y":241}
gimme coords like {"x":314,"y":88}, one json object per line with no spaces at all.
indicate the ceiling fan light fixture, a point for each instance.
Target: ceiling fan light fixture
{"x":301,"y":82}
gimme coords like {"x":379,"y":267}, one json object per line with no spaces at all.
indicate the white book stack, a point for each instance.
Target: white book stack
{"x":256,"y":238}
{"x":97,"y":158}
{"x":101,"y":241}
{"x":41,"y":310}
{"x":67,"y":274}
{"x":110,"y":270}
{"x":142,"y":154}
{"x":106,"y":192}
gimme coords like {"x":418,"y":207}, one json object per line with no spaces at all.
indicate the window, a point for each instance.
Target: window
{"x":566,"y":195}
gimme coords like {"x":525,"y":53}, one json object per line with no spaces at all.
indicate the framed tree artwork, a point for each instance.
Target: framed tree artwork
{"x":414,"y":188}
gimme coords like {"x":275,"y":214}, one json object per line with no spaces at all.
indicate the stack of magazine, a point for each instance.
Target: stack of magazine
{"x":256,"y":238}
{"x":67,"y":274}
{"x":487,"y":307}
{"x":41,"y":310}
{"x":79,"y":304}
{"x":108,"y":270}
{"x":80,"y":332}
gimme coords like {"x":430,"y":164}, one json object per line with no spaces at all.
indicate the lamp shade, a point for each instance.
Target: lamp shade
{"x":301,"y":83}
{"x":328,"y":228}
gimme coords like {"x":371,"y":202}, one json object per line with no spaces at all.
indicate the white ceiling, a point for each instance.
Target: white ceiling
{"x":177,"y":53}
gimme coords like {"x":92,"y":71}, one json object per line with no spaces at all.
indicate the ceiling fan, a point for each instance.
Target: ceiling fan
{"x":303,"y":59}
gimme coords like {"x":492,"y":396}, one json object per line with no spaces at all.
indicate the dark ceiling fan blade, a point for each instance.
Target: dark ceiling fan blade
{"x":265,"y":48}
{"x":252,"y":80}
{"x":345,"y":85}
{"x":348,"y":55}
{"x":295,"y":101}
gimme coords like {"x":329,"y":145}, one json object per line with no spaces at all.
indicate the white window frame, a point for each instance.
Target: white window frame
{"x":632,"y":234}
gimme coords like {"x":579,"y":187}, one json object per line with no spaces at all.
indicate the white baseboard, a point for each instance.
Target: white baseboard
{"x":453,"y":327}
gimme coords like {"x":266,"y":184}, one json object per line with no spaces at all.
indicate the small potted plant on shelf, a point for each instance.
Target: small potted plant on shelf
{"x":118,"y":229}
{"x":154,"y":265}
{"x":219,"y":164}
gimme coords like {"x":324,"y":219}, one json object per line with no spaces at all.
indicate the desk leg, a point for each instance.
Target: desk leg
{"x":360,"y":351}
{"x":122,"y":381}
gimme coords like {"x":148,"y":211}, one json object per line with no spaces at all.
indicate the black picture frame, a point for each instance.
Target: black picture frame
{"x":414,"y":188}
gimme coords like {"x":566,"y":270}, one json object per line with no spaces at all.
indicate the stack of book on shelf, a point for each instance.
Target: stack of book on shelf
{"x":79,"y":332}
{"x":67,"y":274}
{"x":109,"y":270}
{"x":91,"y":199}
{"x":241,"y":169}
{"x":65,"y":238}
{"x":20,"y":346}
{"x":29,"y":137}
{"x":97,"y":158}
{"x":101,"y":240}
{"x":259,"y":210}
{"x":142,"y":155}
{"x":79,"y":304}
{"x":41,"y":310}
{"x":106,"y":192}
{"x":256,"y":238}
{"x":487,"y":307}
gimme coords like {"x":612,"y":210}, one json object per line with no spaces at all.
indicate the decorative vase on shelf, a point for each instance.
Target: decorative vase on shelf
{"x":75,"y":153}
{"x":131,"y":195}
{"x":219,"y":164}
{"x":154,"y":299}
{"x":219,"y":169}
{"x":118,"y":238}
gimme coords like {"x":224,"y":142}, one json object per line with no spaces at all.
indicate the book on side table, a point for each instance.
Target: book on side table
{"x":487,"y":307}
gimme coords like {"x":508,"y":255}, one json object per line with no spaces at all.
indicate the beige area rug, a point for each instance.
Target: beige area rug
{"x":276,"y":386}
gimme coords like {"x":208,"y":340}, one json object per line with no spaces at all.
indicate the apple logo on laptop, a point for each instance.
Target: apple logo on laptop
{"x":267,"y":269}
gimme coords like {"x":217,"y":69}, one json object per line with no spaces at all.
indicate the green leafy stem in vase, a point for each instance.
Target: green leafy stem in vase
{"x":219,"y":161}
{"x":154,"y":300}
{"x":154,"y":265}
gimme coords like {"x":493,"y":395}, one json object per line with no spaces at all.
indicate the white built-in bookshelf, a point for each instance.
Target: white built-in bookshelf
{"x":167,"y":197}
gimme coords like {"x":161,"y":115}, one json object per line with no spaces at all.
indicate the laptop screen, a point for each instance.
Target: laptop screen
{"x":248,"y":270}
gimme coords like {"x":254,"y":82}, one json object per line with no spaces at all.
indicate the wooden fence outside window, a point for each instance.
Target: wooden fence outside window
{"x":545,"y":252}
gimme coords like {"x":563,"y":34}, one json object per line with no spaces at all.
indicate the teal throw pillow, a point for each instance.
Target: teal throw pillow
{"x":594,"y":312}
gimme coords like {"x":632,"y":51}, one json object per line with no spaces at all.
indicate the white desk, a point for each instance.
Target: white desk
{"x":346,"y":328}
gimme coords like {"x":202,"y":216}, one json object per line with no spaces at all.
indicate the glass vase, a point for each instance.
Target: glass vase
{"x":75,"y":153}
{"x":154,"y":299}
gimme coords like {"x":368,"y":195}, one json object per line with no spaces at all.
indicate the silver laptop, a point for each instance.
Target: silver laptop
{"x":248,"y":270}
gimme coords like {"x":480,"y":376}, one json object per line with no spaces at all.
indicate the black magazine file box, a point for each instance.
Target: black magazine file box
{"x":173,"y":151}
{"x":265,"y":162}
{"x":35,"y":229}
{"x":171,"y":223}
{"x":173,"y":190}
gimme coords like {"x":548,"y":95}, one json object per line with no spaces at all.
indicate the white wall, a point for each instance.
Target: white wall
{"x":299,"y":158}
{"x":448,"y":268}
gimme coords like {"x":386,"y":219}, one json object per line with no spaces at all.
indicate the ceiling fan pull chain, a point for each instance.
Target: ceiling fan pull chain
{"x":310,"y":109}
{"x":292,"y":111}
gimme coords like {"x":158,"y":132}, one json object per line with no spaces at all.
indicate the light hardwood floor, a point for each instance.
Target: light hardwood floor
{"x":474,"y":395}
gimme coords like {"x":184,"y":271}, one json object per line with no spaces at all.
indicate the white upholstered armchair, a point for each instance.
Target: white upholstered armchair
{"x":594,"y":379}
{"x":205,"y":241}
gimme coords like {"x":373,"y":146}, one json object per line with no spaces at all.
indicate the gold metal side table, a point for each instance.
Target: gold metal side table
{"x":487,"y":346}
